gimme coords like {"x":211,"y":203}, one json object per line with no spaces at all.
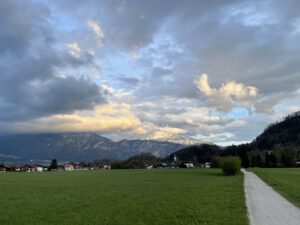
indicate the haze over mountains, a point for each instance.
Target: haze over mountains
{"x":77,"y":147}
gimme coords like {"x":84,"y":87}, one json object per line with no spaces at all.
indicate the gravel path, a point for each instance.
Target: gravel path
{"x":266,"y":206}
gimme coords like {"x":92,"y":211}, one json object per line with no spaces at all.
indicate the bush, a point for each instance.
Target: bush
{"x":230,"y":165}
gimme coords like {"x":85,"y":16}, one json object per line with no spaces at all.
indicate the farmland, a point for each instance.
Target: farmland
{"x":284,"y":180}
{"x":170,"y":196}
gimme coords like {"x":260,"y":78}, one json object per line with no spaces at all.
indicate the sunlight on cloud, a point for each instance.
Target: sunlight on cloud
{"x":163,"y":133}
{"x":230,"y":94}
{"x":96,"y":28}
{"x":134,"y":55}
{"x":105,"y":118}
{"x":74,"y":49}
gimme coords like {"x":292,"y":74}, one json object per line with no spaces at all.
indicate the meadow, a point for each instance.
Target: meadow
{"x":116,"y":197}
{"x":284,"y":180}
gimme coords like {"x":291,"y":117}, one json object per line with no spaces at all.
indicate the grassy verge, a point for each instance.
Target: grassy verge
{"x":284,"y":180}
{"x":154,"y":197}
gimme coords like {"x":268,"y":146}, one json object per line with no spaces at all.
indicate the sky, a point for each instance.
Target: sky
{"x":217,"y":71}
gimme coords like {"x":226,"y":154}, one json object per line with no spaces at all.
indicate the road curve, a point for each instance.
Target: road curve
{"x":265,"y":206}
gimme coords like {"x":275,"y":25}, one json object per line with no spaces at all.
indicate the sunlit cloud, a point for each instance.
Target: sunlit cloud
{"x":96,"y":28}
{"x":230,"y":94}
{"x":74,"y":49}
{"x":126,"y":69}
{"x":105,"y":118}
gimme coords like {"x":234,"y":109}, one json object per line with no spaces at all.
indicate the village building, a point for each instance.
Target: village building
{"x":37,"y":168}
{"x":188,"y":165}
{"x":61,"y":168}
{"x":3,"y":169}
{"x":69,"y":167}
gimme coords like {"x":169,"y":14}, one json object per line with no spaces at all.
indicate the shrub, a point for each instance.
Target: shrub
{"x":230,"y":165}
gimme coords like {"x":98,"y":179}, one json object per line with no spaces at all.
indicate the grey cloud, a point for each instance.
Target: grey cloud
{"x":22,"y":24}
{"x":130,"y":81}
{"x":30,"y":59}
{"x":250,"y":42}
{"x":62,"y":95}
{"x":160,"y":72}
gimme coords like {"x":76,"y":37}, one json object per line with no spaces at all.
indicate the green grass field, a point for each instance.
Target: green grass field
{"x":284,"y":180}
{"x":167,"y":196}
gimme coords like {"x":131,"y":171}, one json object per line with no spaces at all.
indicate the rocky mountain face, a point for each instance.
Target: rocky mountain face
{"x":184,"y":140}
{"x":77,"y":147}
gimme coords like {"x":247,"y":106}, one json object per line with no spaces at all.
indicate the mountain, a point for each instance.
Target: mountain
{"x":179,"y":139}
{"x":282,"y":133}
{"x":77,"y":147}
{"x":282,"y":137}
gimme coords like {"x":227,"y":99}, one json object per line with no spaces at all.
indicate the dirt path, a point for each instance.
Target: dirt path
{"x":266,"y":206}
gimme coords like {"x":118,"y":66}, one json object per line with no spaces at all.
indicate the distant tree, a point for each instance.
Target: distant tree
{"x":72,"y":163}
{"x":244,"y":155}
{"x":256,"y":159}
{"x":83,"y":164}
{"x":270,"y":159}
{"x":195,"y":161}
{"x":216,"y":162}
{"x":178,"y":162}
{"x":53,"y":164}
{"x":289,"y":157}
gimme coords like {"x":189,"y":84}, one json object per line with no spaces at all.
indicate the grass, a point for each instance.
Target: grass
{"x":284,"y":180}
{"x":116,"y":197}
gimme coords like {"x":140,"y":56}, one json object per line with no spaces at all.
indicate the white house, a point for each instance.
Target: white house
{"x":69,"y":167}
{"x":189,"y":165}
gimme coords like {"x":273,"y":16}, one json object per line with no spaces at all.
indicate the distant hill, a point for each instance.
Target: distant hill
{"x":77,"y":147}
{"x":203,"y":153}
{"x":282,"y":133}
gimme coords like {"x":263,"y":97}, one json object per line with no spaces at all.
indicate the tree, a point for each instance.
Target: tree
{"x":53,"y":165}
{"x":257,"y":159}
{"x":289,"y":157}
{"x":270,"y":159}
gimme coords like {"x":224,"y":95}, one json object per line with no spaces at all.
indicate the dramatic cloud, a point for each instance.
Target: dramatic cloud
{"x":33,"y":81}
{"x":230,"y":94}
{"x":65,"y":63}
{"x":106,"y":118}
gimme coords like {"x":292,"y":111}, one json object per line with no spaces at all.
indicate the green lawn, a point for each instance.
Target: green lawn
{"x":129,"y":197}
{"x":284,"y":180}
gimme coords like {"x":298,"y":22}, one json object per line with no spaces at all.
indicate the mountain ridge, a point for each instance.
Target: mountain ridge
{"x":82,"y":146}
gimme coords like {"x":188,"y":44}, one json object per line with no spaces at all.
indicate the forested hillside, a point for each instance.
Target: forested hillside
{"x":282,"y":133}
{"x":277,"y":145}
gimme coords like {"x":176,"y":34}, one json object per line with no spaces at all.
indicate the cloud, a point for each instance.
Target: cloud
{"x":74,"y":49}
{"x":164,"y":133}
{"x":245,"y":46}
{"x":38,"y":77}
{"x":52,"y":96}
{"x":105,"y":118}
{"x":18,"y":33}
{"x":128,"y":81}
{"x":96,"y":28}
{"x":134,"y":55}
{"x":230,"y":94}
